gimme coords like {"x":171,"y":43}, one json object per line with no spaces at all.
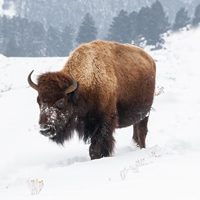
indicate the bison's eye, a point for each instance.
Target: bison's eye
{"x":60,"y":103}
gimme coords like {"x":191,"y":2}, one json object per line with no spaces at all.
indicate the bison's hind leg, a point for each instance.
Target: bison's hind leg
{"x":140,"y":132}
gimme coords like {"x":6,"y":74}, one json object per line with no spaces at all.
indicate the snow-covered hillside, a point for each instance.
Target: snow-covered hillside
{"x":167,"y":169}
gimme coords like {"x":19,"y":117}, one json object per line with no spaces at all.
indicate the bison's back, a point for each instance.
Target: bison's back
{"x":111,"y":73}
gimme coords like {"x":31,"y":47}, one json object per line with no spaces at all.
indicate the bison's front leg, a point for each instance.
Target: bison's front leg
{"x":102,"y":141}
{"x":101,"y":147}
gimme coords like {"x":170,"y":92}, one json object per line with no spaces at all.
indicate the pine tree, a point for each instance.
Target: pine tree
{"x":53,"y":42}
{"x":25,"y":34}
{"x":12,"y":49}
{"x":17,"y":35}
{"x":181,"y":19}
{"x":196,"y":19}
{"x":152,"y":22}
{"x":133,"y":26}
{"x":120,"y":29}
{"x":67,"y":40}
{"x":36,"y":40}
{"x":6,"y":33}
{"x":158,"y":23}
{"x":11,"y":36}
{"x":143,"y":23}
{"x":87,"y":31}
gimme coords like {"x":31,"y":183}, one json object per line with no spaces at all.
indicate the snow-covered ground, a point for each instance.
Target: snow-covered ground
{"x":168,"y":169}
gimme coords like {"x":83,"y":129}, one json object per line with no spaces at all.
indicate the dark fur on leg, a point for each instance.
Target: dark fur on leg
{"x":101,"y":148}
{"x":140,"y":132}
{"x":102,"y":140}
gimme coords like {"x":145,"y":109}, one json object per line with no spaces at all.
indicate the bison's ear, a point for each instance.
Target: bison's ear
{"x":31,"y":83}
{"x":72,"y":87}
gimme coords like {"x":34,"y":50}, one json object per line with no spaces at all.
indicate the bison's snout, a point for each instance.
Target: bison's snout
{"x":48,"y":132}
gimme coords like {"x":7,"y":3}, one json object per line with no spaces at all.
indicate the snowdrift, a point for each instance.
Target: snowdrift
{"x":167,"y":169}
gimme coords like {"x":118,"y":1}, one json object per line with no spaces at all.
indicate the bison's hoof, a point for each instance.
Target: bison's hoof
{"x":95,"y":153}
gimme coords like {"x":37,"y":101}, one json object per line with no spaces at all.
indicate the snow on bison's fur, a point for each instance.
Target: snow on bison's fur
{"x":103,"y":86}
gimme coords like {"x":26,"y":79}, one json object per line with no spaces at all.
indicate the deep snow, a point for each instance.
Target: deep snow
{"x":167,"y":169}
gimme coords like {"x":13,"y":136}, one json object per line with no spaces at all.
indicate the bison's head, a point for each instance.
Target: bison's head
{"x":56,"y":100}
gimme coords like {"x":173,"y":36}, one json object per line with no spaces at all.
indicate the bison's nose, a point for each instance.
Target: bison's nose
{"x":48,"y":132}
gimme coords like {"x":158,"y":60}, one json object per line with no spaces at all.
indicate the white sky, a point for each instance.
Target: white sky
{"x":1,"y":4}
{"x":10,"y":12}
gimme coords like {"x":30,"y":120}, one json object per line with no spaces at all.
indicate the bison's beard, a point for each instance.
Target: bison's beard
{"x":58,"y":127}
{"x":61,"y":134}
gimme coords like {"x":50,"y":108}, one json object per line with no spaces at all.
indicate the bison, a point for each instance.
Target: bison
{"x":103,"y":86}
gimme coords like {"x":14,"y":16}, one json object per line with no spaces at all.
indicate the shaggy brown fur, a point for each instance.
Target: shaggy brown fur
{"x":115,"y":89}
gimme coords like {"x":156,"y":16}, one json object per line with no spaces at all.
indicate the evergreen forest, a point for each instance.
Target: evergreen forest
{"x":21,"y":37}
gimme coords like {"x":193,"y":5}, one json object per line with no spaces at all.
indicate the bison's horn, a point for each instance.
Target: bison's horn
{"x":33,"y":85}
{"x":72,"y":87}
